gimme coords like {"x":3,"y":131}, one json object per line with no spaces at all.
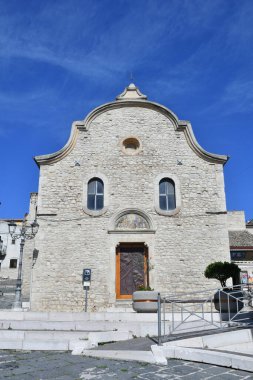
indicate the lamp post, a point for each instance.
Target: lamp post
{"x":27,"y":232}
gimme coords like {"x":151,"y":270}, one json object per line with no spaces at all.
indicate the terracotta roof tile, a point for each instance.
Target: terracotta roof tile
{"x":240,"y":239}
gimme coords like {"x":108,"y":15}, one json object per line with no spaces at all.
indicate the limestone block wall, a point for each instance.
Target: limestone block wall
{"x":69,"y":239}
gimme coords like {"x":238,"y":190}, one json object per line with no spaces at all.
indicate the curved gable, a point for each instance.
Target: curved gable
{"x":131,"y":97}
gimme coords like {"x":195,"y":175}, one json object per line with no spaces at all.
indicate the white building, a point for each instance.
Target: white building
{"x":133,"y":197}
{"x":9,"y":251}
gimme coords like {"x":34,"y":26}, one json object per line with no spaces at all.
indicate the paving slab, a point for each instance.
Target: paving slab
{"x":135,"y":344}
{"x":63,"y":366}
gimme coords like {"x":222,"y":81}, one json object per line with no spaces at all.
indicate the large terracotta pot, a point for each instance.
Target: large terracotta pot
{"x":145,"y":301}
{"x":228,"y":303}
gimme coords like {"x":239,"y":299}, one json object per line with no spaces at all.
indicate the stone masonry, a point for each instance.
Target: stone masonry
{"x":180,"y":246}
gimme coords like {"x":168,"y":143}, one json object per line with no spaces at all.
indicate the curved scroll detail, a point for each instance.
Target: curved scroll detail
{"x":179,"y":125}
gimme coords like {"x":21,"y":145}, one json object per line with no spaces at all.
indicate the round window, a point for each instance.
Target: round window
{"x":131,"y":145}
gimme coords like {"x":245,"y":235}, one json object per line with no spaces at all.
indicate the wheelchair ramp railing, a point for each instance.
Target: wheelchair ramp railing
{"x":208,"y":309}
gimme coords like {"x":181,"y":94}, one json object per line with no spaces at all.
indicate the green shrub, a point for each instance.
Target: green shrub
{"x":222,"y":271}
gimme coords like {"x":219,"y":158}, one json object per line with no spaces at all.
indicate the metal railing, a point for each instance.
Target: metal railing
{"x":207,"y":309}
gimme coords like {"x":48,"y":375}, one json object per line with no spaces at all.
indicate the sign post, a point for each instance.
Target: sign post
{"x":86,"y":286}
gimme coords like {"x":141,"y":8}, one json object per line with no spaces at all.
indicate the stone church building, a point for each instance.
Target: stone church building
{"x":133,"y":197}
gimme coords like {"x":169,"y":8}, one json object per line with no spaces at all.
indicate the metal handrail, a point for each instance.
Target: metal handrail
{"x":194,"y":307}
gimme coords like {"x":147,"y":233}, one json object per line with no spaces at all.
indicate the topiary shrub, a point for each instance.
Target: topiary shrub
{"x":221,"y":271}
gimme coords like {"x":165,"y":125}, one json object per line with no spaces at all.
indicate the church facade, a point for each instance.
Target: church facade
{"x":131,"y":196}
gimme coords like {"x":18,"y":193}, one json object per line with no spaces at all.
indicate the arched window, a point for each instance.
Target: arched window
{"x":167,"y":198}
{"x":95,"y":198}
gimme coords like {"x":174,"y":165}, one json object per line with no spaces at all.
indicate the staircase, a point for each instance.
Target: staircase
{"x":71,"y":331}
{"x":7,"y":293}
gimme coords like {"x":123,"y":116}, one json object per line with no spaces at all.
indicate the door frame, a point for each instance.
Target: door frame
{"x":146,"y":272}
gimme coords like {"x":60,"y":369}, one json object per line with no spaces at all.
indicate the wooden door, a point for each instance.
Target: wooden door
{"x":131,"y":269}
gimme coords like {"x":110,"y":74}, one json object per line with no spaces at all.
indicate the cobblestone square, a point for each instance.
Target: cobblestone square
{"x":43,"y":365}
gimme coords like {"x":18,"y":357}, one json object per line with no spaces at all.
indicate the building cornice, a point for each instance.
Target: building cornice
{"x":179,"y":125}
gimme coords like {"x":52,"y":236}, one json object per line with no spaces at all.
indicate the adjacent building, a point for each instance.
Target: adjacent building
{"x":241,"y":244}
{"x":9,"y":251}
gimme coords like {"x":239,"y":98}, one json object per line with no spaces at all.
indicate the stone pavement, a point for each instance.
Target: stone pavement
{"x":136,"y":344}
{"x":44,"y":365}
{"x":7,"y":293}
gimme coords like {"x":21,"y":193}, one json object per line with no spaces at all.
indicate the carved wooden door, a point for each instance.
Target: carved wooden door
{"x":131,"y":269}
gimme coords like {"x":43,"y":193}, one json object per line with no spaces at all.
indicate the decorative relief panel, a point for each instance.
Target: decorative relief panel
{"x":131,"y":222}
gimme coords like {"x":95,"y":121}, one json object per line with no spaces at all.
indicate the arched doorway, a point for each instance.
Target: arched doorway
{"x":132,"y":253}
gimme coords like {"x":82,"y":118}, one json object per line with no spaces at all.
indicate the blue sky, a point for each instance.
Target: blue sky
{"x":60,"y":59}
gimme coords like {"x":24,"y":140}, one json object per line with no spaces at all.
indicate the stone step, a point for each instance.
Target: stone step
{"x":35,"y":345}
{"x":82,"y":316}
{"x":140,"y":356}
{"x":42,"y":335}
{"x":120,"y":309}
{"x":135,"y":328}
{"x":71,"y":341}
{"x":110,"y":315}
{"x":62,"y":325}
{"x":139,"y":325}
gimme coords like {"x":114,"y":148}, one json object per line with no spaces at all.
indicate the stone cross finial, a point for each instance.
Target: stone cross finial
{"x":131,"y":93}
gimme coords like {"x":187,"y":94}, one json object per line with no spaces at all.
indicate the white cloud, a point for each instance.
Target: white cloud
{"x":91,"y":39}
{"x":102,"y":42}
{"x":238,"y":96}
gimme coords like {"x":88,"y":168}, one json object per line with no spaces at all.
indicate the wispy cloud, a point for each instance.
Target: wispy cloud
{"x":133,"y":37}
{"x":66,"y":35}
{"x":236,"y":97}
{"x":60,"y":59}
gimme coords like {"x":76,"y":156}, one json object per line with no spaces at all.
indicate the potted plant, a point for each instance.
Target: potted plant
{"x":145,"y":300}
{"x":228,"y":301}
